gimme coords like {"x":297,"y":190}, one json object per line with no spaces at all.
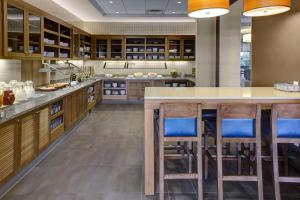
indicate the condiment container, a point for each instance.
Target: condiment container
{"x":8,"y":95}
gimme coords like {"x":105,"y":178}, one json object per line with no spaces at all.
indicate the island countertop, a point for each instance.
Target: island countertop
{"x":213,"y":93}
{"x":210,"y":98}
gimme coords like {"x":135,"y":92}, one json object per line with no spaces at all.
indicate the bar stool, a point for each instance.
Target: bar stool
{"x":239,"y":123}
{"x":180,"y":123}
{"x":285,"y":130}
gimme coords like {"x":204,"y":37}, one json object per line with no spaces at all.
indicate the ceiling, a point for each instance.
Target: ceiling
{"x":116,"y":10}
{"x":141,"y":7}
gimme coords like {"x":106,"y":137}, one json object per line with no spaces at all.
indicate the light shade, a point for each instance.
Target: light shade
{"x":207,"y":8}
{"x":258,"y":8}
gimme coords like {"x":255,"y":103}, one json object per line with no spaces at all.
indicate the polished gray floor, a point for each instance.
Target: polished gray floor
{"x":102,"y":159}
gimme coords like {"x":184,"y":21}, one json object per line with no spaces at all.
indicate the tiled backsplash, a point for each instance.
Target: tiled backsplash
{"x":10,"y":70}
{"x":184,"y":67}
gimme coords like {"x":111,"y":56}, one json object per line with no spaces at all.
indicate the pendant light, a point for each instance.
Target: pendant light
{"x":207,"y":8}
{"x":258,"y":8}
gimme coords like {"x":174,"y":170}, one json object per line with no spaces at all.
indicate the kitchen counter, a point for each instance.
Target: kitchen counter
{"x":21,"y":108}
{"x":189,"y":78}
{"x":211,"y":93}
{"x":209,"y":98}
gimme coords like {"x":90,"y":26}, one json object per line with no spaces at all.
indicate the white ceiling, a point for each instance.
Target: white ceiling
{"x":141,"y":7}
{"x":104,"y":11}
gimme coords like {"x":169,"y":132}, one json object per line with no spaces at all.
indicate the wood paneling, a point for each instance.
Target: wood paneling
{"x":27,"y":139}
{"x":1,"y":29}
{"x":7,"y":150}
{"x":43,"y":129}
{"x":275,"y":45}
{"x":30,"y":71}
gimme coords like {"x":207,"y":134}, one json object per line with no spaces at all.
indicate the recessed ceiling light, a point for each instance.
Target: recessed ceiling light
{"x":179,"y":2}
{"x":173,"y":12}
{"x":117,"y":12}
{"x":111,"y":2}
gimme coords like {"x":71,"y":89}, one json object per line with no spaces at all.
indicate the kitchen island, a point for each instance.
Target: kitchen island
{"x":209,"y":98}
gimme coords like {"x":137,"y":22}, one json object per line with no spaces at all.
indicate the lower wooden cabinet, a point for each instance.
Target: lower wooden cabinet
{"x":8,"y":144}
{"x":75,"y":107}
{"x":27,"y":138}
{"x":98,"y":91}
{"x":43,"y":129}
{"x":136,"y":89}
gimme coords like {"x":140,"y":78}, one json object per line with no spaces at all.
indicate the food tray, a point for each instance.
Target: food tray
{"x":287,"y":87}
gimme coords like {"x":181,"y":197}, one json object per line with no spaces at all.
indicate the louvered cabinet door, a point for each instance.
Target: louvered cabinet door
{"x":7,"y":151}
{"x":27,"y":139}
{"x":43,"y":130}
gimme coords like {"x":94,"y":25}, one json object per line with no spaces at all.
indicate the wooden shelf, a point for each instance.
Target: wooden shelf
{"x":56,"y":115}
{"x":115,"y":97}
{"x":51,"y":32}
{"x":65,"y":36}
{"x":51,"y":45}
{"x":62,"y":47}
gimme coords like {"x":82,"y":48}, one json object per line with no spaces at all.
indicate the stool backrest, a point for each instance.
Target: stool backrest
{"x":286,"y":120}
{"x":238,"y":120}
{"x":180,"y":119}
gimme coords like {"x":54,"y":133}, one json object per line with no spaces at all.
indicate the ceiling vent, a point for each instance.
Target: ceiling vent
{"x":155,"y":12}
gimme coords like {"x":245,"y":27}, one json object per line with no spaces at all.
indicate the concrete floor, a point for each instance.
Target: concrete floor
{"x":103,"y":160}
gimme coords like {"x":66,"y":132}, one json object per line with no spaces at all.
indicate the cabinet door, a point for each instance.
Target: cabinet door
{"x":98,"y":91}
{"x":34,"y":34}
{"x":158,"y":83}
{"x":27,"y":139}
{"x":133,"y":90}
{"x":116,"y":48}
{"x":14,"y":37}
{"x":102,"y":48}
{"x":8,"y":135}
{"x":43,"y":129}
{"x":68,"y":111}
{"x":142,"y":88}
{"x":75,"y":44}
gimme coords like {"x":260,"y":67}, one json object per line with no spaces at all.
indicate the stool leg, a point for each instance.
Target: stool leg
{"x":199,"y":169}
{"x":220,"y":168}
{"x":190,"y":157}
{"x":239,"y":152}
{"x":259,"y":170}
{"x":205,"y":156}
{"x":161,"y":163}
{"x":276,"y":170}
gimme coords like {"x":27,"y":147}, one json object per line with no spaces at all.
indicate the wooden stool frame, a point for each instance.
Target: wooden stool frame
{"x":174,"y":110}
{"x":282,"y":111}
{"x":239,"y":111}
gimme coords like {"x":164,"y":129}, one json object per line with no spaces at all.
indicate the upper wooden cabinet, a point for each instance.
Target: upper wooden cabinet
{"x":108,"y":48}
{"x":22,"y":30}
{"x":149,"y":48}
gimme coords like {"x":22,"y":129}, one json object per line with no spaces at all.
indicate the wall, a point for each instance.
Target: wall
{"x":230,"y":46}
{"x":141,"y":28}
{"x":276,"y":47}
{"x":206,"y":52}
{"x":183,"y":67}
{"x":10,"y":70}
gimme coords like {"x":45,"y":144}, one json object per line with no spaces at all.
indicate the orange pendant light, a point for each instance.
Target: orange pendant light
{"x":207,"y":8}
{"x":258,"y":8}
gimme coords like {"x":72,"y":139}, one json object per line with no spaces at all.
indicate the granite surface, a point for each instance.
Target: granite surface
{"x":21,"y":108}
{"x":212,"y":93}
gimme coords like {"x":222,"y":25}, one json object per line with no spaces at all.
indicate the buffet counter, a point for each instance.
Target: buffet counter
{"x":209,"y":98}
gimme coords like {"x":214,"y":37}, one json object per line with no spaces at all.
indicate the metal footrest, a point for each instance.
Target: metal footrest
{"x":180,"y":176}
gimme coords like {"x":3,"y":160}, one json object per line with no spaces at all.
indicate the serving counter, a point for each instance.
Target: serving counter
{"x":209,"y":98}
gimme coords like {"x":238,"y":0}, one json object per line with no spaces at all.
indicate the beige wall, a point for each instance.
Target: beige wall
{"x":230,"y":46}
{"x":206,"y":52}
{"x":276,"y":48}
{"x":10,"y":70}
{"x":141,"y":28}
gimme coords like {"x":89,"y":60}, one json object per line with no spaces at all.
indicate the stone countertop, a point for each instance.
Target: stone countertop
{"x":212,"y":93}
{"x":21,"y":108}
{"x":190,"y":78}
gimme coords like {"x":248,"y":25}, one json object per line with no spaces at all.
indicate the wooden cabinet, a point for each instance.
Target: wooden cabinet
{"x":75,"y":107}
{"x":1,"y":29}
{"x":22,"y":35}
{"x":98,"y":91}
{"x":43,"y":129}
{"x":108,"y":47}
{"x":8,"y":144}
{"x":136,"y":89}
{"x":27,"y":138}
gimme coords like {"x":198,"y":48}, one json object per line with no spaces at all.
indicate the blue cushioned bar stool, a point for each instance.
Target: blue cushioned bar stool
{"x":285,"y":130}
{"x":239,"y":123}
{"x":180,"y":123}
